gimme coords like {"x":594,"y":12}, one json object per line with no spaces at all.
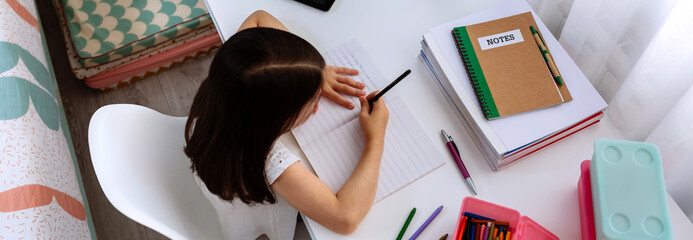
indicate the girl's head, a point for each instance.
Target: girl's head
{"x":262,"y":82}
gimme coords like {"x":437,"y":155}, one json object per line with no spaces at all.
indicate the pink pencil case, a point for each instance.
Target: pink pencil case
{"x":585,"y":202}
{"x":522,"y":227}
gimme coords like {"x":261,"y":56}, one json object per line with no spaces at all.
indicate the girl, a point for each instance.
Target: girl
{"x":263,"y":82}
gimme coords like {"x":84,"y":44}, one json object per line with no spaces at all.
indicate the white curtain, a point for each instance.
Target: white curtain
{"x":639,"y":56}
{"x":552,"y":12}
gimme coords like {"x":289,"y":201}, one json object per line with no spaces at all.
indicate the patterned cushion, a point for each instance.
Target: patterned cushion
{"x":104,"y":31}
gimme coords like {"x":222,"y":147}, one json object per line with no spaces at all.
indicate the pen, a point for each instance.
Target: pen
{"x":425,"y":224}
{"x":452,"y":147}
{"x":547,"y":56}
{"x":392,"y":84}
{"x":406,"y":224}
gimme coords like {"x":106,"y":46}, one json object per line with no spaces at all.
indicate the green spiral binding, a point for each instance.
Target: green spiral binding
{"x":476,"y":75}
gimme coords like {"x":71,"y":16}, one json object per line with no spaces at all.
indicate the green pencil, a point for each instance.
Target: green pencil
{"x":406,"y":224}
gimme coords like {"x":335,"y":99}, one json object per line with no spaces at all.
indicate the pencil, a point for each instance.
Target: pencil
{"x":425,"y":224}
{"x":507,"y":235}
{"x":468,"y":226}
{"x":444,"y":237}
{"x":491,"y":227}
{"x":472,"y":215}
{"x":406,"y":224}
{"x":500,"y":223}
{"x":381,"y":93}
{"x":473,"y":231}
{"x":481,"y":232}
{"x":462,"y":225}
{"x":547,"y":56}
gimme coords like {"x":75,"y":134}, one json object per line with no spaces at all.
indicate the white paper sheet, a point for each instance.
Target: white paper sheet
{"x":333,"y":142}
{"x":330,"y":114}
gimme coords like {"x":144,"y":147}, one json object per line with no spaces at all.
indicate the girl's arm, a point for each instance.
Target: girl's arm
{"x":261,"y":18}
{"x":341,"y":212}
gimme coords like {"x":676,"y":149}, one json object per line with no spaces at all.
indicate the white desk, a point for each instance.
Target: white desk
{"x":542,"y":186}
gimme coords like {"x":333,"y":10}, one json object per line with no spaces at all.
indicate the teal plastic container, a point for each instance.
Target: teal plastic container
{"x":628,"y":191}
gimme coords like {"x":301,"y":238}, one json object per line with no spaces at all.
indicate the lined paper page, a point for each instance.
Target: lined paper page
{"x":333,"y":142}
{"x":331,"y":115}
{"x":408,"y":153}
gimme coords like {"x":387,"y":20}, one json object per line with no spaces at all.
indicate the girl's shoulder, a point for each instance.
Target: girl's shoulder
{"x":278,"y":160}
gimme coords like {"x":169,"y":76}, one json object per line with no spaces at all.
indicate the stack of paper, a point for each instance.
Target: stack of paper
{"x":505,"y":140}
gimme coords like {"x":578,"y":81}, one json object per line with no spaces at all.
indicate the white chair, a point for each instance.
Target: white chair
{"x":138,"y":157}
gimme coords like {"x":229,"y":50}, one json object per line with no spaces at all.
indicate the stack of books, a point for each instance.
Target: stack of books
{"x":495,"y":91}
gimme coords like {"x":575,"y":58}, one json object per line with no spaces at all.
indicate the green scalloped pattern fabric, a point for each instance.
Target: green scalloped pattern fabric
{"x":106,"y":30}
{"x":17,"y":92}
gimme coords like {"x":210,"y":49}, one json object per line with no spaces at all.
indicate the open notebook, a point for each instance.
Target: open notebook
{"x":332,"y":139}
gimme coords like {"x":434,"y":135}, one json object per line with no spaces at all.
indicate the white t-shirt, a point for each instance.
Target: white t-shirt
{"x":241,"y":221}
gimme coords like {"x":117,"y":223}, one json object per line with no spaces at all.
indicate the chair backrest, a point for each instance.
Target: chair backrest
{"x":138,"y":157}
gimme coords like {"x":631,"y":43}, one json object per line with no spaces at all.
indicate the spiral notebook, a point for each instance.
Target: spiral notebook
{"x":509,"y":72}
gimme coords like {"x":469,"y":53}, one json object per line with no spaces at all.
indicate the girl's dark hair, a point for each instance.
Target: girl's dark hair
{"x":258,"y":83}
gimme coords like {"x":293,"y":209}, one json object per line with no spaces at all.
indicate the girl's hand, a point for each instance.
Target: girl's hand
{"x":336,"y":83}
{"x":373,"y":124}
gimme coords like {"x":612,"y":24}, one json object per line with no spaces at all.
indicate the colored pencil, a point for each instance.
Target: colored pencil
{"x":444,"y":237}
{"x":481,"y":233}
{"x":499,"y":223}
{"x":507,"y":235}
{"x":490,"y":230}
{"x":425,"y":224}
{"x":406,"y":224}
{"x":471,"y":234}
{"x":472,"y":215}
{"x":462,"y":225}
{"x":468,"y":226}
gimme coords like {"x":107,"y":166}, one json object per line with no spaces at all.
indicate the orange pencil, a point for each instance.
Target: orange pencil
{"x":495,"y":233}
{"x":483,"y":229}
{"x":462,"y":226}
{"x":501,"y":236}
{"x":507,"y":235}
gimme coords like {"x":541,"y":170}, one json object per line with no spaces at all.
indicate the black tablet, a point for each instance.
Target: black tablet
{"x":324,"y":5}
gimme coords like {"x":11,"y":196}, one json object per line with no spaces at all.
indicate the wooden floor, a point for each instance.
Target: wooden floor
{"x":170,"y":92}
